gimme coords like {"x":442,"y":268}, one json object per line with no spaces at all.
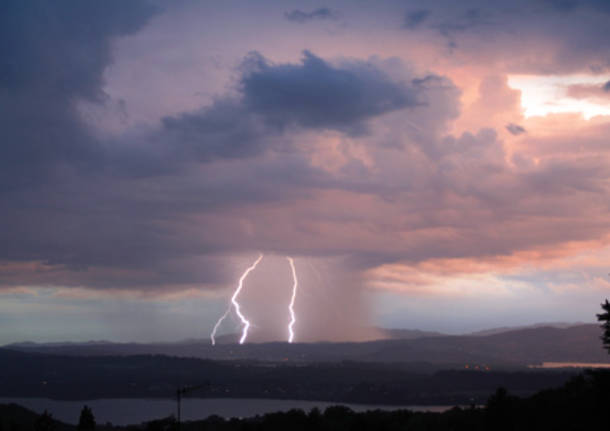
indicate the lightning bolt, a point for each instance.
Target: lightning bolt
{"x":235,"y":305}
{"x":295,"y":285}
{"x":223,"y":317}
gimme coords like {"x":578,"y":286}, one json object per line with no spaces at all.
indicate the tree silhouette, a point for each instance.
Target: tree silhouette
{"x":44,"y":422}
{"x":605,"y":318}
{"x":86,"y":421}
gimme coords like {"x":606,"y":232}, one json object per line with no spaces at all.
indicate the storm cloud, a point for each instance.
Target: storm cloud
{"x":415,"y":18}
{"x":568,"y":35}
{"x":116,"y":204}
{"x":391,"y":146}
{"x":301,"y":17}
{"x":52,"y":56}
{"x":275,"y":97}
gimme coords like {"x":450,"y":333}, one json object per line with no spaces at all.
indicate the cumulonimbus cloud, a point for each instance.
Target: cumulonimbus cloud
{"x":345,"y":158}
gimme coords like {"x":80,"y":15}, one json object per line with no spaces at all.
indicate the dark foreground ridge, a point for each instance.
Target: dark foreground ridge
{"x":581,"y":404}
{"x":147,"y":376}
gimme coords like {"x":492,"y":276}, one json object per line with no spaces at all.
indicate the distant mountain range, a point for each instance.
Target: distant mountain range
{"x":386,"y":334}
{"x":407,"y":334}
{"x":561,"y":325}
{"x":504,"y":347}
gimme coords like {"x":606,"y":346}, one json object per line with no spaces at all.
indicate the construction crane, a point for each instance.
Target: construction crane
{"x":180,"y":392}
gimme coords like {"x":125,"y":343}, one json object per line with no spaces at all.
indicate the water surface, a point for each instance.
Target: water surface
{"x":572,"y":365}
{"x":134,"y":411}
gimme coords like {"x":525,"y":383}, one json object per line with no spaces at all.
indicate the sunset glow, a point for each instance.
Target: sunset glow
{"x":543,"y":95}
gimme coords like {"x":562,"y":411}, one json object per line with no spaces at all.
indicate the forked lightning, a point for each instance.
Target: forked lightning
{"x":245,"y":322}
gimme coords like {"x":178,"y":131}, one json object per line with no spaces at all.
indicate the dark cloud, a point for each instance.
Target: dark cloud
{"x":572,"y":5}
{"x":317,"y":14}
{"x":52,"y":56}
{"x":224,"y":130}
{"x":275,"y":97}
{"x":63,"y":48}
{"x":606,"y":86}
{"x":564,"y":5}
{"x":125,"y":220}
{"x":414,"y":19}
{"x":318,"y":95}
{"x":468,"y":20}
{"x":515,"y":129}
{"x":487,"y":29}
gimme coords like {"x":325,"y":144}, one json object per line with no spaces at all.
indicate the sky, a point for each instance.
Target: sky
{"x":435,"y":165}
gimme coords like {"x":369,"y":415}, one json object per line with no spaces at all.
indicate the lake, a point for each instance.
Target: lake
{"x":571,"y":365}
{"x":134,"y":411}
